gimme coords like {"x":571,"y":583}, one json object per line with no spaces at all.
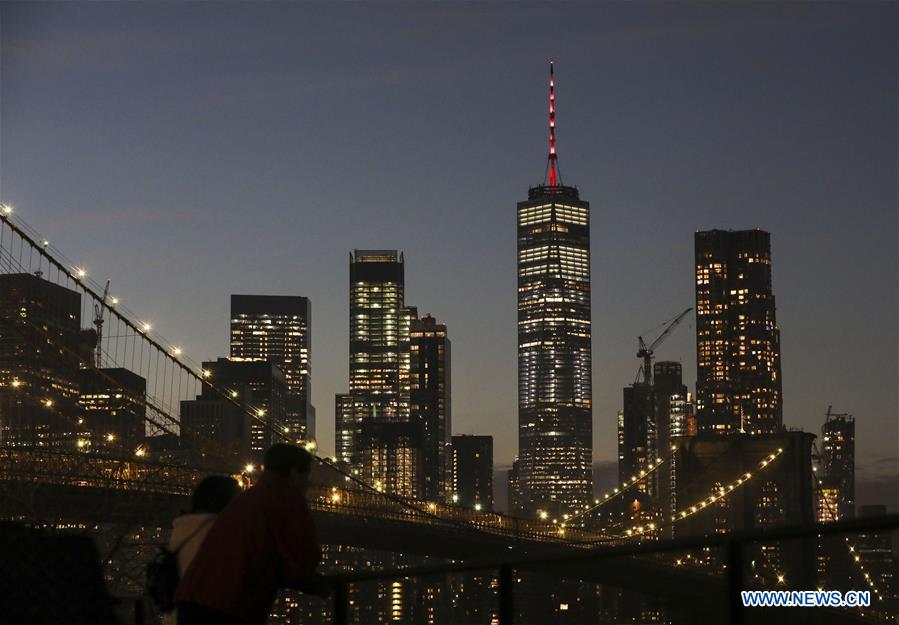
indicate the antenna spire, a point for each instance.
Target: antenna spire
{"x":552,"y":164}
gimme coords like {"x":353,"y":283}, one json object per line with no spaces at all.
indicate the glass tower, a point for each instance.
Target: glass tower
{"x":380,"y":325}
{"x":555,"y":425}
{"x":276,"y":328}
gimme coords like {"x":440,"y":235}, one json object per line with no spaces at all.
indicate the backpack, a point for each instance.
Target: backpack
{"x":162,"y":574}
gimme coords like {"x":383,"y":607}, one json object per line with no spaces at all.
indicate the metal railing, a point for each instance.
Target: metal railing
{"x":734,"y":545}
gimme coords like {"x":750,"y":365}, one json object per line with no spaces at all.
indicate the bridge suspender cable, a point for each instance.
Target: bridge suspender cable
{"x":172,"y":354}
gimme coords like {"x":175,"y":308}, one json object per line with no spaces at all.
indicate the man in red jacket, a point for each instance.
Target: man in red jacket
{"x":264,"y":539}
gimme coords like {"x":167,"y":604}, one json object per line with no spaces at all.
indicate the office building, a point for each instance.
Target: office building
{"x":40,"y":344}
{"x":380,"y":324}
{"x":738,"y":387}
{"x":430,"y":399}
{"x":472,"y":469}
{"x":112,"y":408}
{"x":390,"y":455}
{"x":344,"y":427}
{"x":260,"y":388}
{"x":277,"y":328}
{"x":555,"y":428}
{"x":213,"y":427}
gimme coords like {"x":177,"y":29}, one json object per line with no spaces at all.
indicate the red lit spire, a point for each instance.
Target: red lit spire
{"x":552,"y":165}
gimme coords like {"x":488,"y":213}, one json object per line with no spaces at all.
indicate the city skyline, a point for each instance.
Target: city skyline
{"x":615,"y":327}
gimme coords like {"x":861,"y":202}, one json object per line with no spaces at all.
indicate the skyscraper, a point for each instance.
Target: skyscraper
{"x":380,"y":362}
{"x":277,"y":328}
{"x":430,"y":402}
{"x":472,"y":469}
{"x":555,"y":425}
{"x":637,"y":435}
{"x":738,"y":386}
{"x":670,"y":394}
{"x":377,"y":319}
{"x":344,"y":427}
{"x":838,"y":465}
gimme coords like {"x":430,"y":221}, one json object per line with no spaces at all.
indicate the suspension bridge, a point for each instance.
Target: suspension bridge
{"x":62,"y":463}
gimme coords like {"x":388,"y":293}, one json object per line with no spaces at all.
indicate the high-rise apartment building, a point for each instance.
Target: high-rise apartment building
{"x":555,"y":425}
{"x":430,"y":405}
{"x":277,"y":329}
{"x":472,"y":470}
{"x":738,"y":386}
{"x":838,"y":465}
{"x":670,"y":396}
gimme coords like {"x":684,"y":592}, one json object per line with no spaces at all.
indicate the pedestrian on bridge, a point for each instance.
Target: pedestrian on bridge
{"x":263,"y":540}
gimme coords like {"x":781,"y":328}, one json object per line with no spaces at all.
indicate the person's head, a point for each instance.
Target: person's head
{"x":214,"y":493}
{"x":290,"y":462}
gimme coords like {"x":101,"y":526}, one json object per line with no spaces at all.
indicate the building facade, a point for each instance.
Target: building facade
{"x":472,"y":470}
{"x":40,"y":343}
{"x":277,"y":328}
{"x":838,"y":465}
{"x":344,"y":427}
{"x":390,"y":455}
{"x":555,"y":425}
{"x":637,"y":435}
{"x":430,"y":400}
{"x":738,"y":386}
{"x":111,"y":406}
{"x":259,"y":389}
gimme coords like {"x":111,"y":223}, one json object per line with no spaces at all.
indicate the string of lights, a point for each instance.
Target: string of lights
{"x":618,"y":490}
{"x":718,"y":493}
{"x":853,"y":554}
{"x":78,"y":275}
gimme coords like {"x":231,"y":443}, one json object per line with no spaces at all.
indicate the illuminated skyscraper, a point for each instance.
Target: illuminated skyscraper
{"x":738,"y":386}
{"x":555,"y":425}
{"x":344,"y":427}
{"x":276,"y":328}
{"x":380,"y":324}
{"x":838,"y":465}
{"x":429,"y":354}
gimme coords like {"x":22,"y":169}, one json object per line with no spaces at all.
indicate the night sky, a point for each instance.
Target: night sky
{"x":190,"y":151}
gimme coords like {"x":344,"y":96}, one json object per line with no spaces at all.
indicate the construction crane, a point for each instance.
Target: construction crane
{"x":645,"y":352}
{"x":98,"y":322}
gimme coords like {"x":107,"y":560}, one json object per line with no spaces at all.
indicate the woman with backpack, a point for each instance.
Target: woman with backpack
{"x":188,"y":532}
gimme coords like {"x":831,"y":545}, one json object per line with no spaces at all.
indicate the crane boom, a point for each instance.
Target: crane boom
{"x":98,"y":322}
{"x":646,"y":352}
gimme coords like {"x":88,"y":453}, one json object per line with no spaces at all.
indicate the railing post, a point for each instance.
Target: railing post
{"x":506,"y":595}
{"x":735,"y":582}
{"x":341,"y":603}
